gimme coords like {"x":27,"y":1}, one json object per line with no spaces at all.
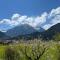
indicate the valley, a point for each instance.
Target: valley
{"x":26,"y":43}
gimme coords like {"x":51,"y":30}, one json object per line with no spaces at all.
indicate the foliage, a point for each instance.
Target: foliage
{"x":31,"y":50}
{"x":57,"y":37}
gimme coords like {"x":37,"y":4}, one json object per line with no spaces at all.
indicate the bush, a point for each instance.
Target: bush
{"x":31,"y":51}
{"x":57,"y":37}
{"x":52,"y":52}
{"x":11,"y":54}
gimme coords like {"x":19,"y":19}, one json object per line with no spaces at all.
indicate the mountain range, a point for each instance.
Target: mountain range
{"x":28,"y":32}
{"x":3,"y":36}
{"x":51,"y":32}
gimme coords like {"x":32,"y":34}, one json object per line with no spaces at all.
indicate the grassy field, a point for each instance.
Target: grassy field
{"x":31,"y":50}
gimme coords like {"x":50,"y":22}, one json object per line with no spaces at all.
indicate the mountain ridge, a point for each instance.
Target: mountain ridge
{"x":29,"y":32}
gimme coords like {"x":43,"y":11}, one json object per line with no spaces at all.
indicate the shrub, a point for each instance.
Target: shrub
{"x":57,"y":37}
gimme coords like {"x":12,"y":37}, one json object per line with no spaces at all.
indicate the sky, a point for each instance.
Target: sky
{"x":27,"y":11}
{"x":26,"y":7}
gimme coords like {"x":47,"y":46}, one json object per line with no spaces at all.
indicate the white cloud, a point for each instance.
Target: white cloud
{"x":15,"y":16}
{"x":46,"y":20}
{"x":41,"y":19}
{"x":47,"y":26}
{"x":53,"y":18}
{"x":54,"y":12}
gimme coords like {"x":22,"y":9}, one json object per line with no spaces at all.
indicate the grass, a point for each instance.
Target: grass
{"x":31,"y":50}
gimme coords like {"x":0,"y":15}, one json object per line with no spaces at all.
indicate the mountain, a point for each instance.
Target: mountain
{"x":39,"y":29}
{"x":55,"y":28}
{"x":20,"y":30}
{"x":49,"y":34}
{"x":24,"y":30}
{"x":3,"y":36}
{"x":27,"y":32}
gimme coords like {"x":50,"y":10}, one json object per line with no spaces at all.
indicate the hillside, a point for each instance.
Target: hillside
{"x":27,"y":32}
{"x":3,"y":36}
{"x":51,"y":32}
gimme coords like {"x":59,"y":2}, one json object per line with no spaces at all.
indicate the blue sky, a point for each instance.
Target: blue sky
{"x":26,"y":7}
{"x":44,"y":13}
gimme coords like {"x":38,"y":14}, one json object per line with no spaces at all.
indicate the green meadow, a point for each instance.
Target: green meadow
{"x":31,"y":50}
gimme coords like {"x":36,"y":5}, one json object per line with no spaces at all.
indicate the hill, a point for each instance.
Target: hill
{"x":49,"y":34}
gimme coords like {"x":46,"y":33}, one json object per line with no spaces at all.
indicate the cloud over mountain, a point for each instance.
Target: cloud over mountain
{"x":45,"y":20}
{"x":52,"y":18}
